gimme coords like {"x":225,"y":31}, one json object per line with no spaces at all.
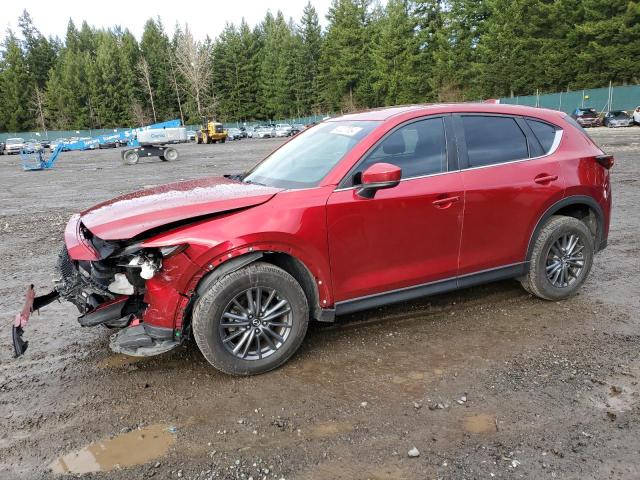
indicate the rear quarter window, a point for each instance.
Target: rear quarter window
{"x":491,"y":140}
{"x":544,"y":132}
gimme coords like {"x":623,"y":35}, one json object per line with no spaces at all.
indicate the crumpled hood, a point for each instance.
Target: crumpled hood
{"x":129,"y":215}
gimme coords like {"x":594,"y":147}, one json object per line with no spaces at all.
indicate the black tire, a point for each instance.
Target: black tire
{"x":130,"y":157}
{"x":208,"y":311}
{"x":170,"y":155}
{"x":536,"y":280}
{"x":223,"y":140}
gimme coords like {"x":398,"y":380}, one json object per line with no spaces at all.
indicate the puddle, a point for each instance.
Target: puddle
{"x":118,"y":361}
{"x":620,"y":393}
{"x":483,"y":423}
{"x":323,"y":430}
{"x":132,"y":448}
{"x":618,"y":398}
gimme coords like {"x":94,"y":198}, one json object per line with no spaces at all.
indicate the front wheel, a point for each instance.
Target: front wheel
{"x":561,"y":259}
{"x":252,"y":320}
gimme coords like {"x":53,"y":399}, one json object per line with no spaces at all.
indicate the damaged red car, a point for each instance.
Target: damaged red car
{"x":359,"y":211}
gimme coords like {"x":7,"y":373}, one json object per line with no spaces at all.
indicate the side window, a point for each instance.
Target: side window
{"x":419,"y":148}
{"x":544,"y":132}
{"x":492,"y":140}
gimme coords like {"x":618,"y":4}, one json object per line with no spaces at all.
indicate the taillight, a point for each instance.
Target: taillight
{"x":605,"y":160}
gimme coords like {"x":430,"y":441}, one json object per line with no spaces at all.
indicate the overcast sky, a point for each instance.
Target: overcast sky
{"x":203,"y":16}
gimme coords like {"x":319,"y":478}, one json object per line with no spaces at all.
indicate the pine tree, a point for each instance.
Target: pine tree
{"x":14,"y":83}
{"x":450,"y":34}
{"x":345,"y":54}
{"x":128,"y":57}
{"x":308,"y":51}
{"x":40,"y":53}
{"x":395,"y":55}
{"x":607,"y":41}
{"x":156,"y":50}
{"x":67,"y":97}
{"x":249,"y":69}
{"x":275,"y":71}
{"x":227,"y":79}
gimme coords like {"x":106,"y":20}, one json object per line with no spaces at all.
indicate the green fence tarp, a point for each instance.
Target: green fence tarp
{"x":622,"y":98}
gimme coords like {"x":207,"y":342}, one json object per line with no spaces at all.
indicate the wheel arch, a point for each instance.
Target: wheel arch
{"x":289,"y":263}
{"x":583,"y":208}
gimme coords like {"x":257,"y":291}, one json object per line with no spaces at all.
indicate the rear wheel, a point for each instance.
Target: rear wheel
{"x":561,"y":259}
{"x":170,"y":154}
{"x":130,"y":157}
{"x":252,"y":320}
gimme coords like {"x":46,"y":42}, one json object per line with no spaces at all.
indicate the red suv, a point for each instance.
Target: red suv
{"x":356,"y":212}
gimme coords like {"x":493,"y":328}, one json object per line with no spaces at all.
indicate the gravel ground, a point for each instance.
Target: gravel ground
{"x":484,"y":383}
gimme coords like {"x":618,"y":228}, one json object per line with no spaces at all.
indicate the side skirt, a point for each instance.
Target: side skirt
{"x":432,"y":288}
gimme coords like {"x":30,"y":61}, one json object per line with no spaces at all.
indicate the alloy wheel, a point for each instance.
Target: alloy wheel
{"x":256,"y":323}
{"x":565,"y":260}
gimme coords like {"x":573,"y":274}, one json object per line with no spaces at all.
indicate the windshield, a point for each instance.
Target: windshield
{"x":14,"y":141}
{"x":587,"y":113}
{"x":619,"y":114}
{"x":304,"y":161}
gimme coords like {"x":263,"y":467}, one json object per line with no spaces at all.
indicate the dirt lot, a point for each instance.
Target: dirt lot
{"x":485,"y":383}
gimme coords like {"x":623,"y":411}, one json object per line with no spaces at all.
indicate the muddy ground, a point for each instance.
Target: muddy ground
{"x":485,"y":383}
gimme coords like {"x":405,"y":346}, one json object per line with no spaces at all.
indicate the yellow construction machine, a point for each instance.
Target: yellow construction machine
{"x":211,"y":132}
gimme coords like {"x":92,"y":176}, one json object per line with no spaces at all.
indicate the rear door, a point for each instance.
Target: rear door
{"x":511,"y":176}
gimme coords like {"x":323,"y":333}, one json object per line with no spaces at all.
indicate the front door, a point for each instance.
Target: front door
{"x":406,"y":235}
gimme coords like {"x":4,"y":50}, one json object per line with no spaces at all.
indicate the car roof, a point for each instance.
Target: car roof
{"x":384,"y":114}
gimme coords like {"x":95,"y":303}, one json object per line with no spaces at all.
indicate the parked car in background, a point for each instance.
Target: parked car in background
{"x":191,"y":135}
{"x":617,"y":118}
{"x":32,"y":145}
{"x":586,"y":117}
{"x":14,"y":145}
{"x":636,"y":116}
{"x":264,"y":132}
{"x":108,"y":144}
{"x":250,"y":131}
{"x":46,"y":143}
{"x":1,"y":148}
{"x":234,"y":134}
{"x":284,"y":130}
{"x":297,"y":128}
{"x":243,"y":132}
{"x":363,"y":210}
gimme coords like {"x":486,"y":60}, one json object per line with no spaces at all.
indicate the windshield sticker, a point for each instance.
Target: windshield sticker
{"x":346,"y":130}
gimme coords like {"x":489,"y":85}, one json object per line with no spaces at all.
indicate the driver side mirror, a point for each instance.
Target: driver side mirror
{"x":377,"y":177}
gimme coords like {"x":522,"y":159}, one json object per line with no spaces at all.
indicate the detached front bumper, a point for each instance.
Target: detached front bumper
{"x":31,"y":304}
